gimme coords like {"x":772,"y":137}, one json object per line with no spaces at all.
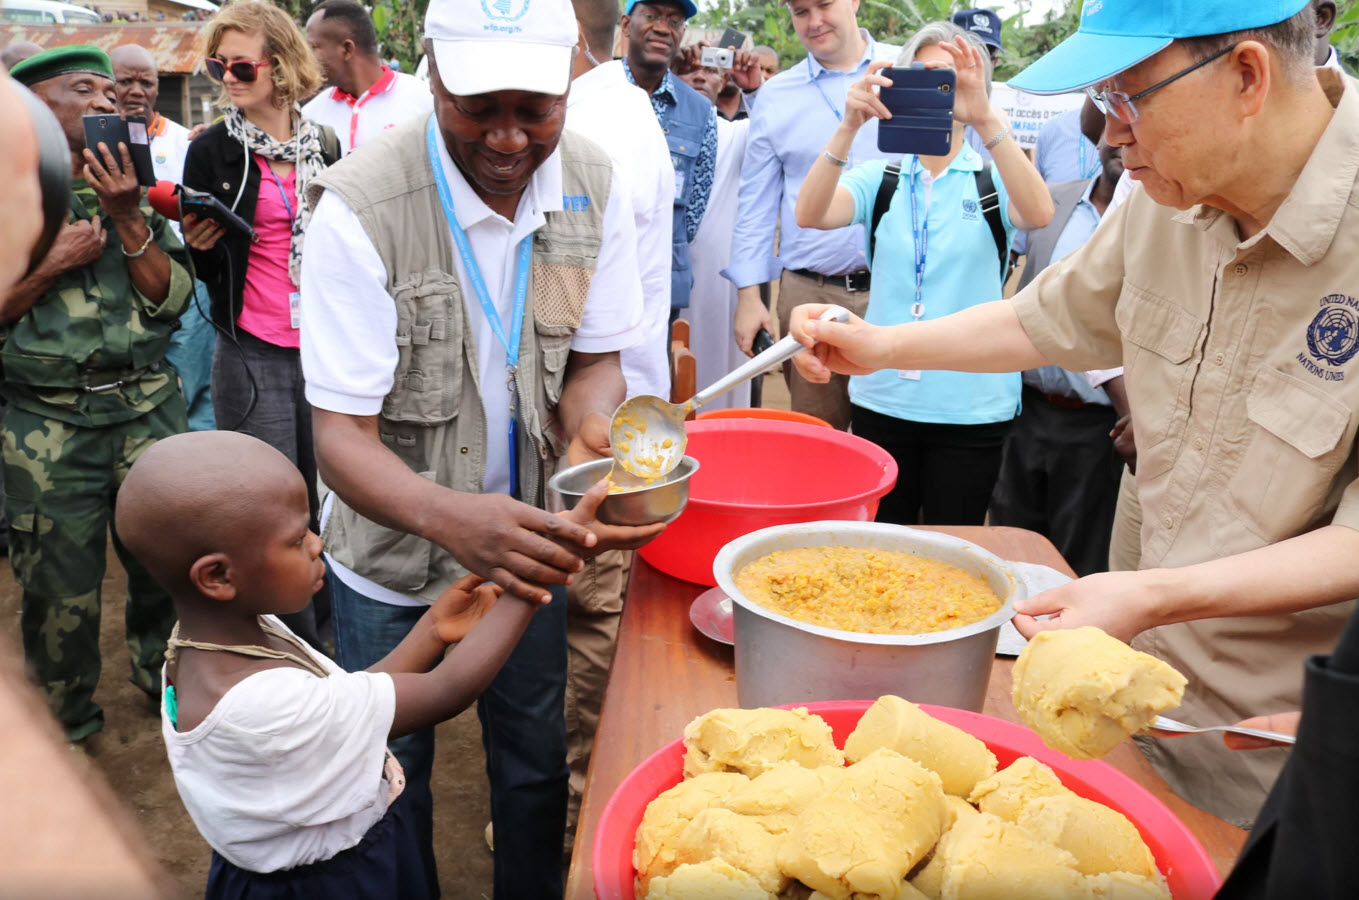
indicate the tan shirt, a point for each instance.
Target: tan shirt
{"x":1242,"y":368}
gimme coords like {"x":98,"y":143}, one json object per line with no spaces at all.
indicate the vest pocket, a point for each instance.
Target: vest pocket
{"x":554,"y":346}
{"x":427,"y":383}
{"x":394,"y":559}
{"x":1293,"y":450}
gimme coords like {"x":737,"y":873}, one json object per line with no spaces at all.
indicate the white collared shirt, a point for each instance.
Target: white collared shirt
{"x":348,"y":336}
{"x":348,"y":339}
{"x":394,"y":98}
{"x":169,"y":146}
{"x":617,"y":115}
{"x":1333,"y":62}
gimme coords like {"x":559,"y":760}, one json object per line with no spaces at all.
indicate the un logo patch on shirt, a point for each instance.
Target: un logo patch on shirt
{"x":971,"y":210}
{"x":1332,"y":337}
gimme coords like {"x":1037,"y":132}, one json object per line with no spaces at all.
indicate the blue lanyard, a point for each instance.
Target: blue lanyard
{"x":920,"y":233}
{"x":283,"y":195}
{"x":839,"y":117}
{"x":1081,"y":146}
{"x":473,"y":271}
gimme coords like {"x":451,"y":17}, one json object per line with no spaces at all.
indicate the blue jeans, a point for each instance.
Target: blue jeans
{"x":190,"y":353}
{"x":522,"y":728}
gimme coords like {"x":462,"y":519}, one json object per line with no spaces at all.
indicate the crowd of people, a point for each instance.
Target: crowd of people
{"x":319,"y":431}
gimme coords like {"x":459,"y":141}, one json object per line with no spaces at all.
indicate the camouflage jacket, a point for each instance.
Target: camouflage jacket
{"x":91,"y":351}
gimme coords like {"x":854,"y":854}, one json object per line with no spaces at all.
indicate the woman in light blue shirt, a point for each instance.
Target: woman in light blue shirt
{"x":936,"y":254}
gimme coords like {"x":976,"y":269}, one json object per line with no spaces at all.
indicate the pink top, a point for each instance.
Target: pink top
{"x":264,"y":310}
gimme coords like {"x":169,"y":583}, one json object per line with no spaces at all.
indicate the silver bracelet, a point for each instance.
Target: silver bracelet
{"x":834,"y":160}
{"x":147,"y":243}
{"x":1002,"y":135}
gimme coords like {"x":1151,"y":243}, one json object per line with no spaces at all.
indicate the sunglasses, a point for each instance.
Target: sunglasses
{"x":246,"y":70}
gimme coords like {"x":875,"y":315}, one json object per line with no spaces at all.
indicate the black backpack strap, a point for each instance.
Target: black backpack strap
{"x":886,"y":189}
{"x":990,"y":207}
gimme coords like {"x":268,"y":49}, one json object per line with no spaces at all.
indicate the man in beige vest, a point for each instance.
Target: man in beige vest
{"x":469,"y":279}
{"x":1238,"y":326}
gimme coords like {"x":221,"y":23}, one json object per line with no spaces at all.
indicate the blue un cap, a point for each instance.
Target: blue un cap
{"x":1118,"y":34}
{"x":690,"y":10}
{"x":984,"y":23}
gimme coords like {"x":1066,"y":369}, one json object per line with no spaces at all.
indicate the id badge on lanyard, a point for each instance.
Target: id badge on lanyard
{"x":294,"y":298}
{"x":473,"y":271}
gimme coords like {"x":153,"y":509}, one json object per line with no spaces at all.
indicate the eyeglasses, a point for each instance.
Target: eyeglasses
{"x":674,"y":20}
{"x":246,"y":70}
{"x":1121,"y":105}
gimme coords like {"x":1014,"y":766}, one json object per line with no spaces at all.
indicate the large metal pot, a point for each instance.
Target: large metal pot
{"x":781,"y":660}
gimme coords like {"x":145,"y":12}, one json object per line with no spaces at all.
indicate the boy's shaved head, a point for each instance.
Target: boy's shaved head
{"x":198,"y":493}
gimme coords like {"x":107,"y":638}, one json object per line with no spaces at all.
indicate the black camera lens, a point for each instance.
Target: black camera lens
{"x":54,"y":172}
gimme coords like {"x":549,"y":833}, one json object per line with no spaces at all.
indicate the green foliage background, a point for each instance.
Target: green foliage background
{"x":399,"y":25}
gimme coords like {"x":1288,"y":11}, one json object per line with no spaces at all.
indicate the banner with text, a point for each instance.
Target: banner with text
{"x":1028,"y":112}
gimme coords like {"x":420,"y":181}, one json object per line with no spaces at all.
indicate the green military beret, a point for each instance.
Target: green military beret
{"x":62,"y":61}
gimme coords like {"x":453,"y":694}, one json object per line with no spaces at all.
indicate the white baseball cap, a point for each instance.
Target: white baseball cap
{"x":502,"y":45}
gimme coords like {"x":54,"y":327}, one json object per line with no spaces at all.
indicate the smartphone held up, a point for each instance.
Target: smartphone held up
{"x":921,"y":103}
{"x":112,"y":130}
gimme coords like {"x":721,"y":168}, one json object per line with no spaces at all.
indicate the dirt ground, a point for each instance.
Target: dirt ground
{"x":131,"y":755}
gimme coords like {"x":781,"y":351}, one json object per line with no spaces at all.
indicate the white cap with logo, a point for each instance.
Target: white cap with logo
{"x":502,"y":45}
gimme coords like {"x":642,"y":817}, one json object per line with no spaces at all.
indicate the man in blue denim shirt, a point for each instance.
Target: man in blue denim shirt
{"x":654,"y":30}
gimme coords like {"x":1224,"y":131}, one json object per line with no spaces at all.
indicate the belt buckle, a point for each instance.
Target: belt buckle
{"x":849,"y":284}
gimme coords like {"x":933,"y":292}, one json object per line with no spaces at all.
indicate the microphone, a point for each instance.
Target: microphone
{"x":170,"y":199}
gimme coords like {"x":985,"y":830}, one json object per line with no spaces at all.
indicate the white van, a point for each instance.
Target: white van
{"x":46,"y":12}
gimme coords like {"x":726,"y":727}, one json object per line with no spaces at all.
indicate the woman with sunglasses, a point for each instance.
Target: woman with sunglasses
{"x":258,"y":160}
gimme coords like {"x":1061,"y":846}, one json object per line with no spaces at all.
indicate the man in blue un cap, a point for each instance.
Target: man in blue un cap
{"x":1228,"y":288}
{"x":985,"y":24}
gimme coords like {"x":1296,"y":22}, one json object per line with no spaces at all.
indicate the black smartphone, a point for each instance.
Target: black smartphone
{"x":112,"y":130}
{"x":732,"y":38}
{"x":921,"y":103}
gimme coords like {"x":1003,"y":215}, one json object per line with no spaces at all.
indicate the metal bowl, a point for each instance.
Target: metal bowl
{"x":660,"y":502}
{"x":782,"y":660}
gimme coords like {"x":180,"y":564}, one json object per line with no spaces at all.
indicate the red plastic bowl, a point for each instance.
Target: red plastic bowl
{"x":756,"y":473}
{"x":762,"y":412}
{"x":1179,"y":855}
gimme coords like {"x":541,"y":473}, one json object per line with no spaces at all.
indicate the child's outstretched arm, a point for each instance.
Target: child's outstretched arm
{"x":447,"y":621}
{"x":491,"y":628}
{"x":424,"y":700}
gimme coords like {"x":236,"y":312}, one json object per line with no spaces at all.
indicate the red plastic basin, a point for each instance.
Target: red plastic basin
{"x":762,"y":412}
{"x":1179,"y":855}
{"x":755,"y":473}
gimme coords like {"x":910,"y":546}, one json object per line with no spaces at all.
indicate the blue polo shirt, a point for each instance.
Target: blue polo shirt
{"x":962,"y":269}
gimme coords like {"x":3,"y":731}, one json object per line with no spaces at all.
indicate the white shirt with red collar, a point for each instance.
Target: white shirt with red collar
{"x":393,"y":99}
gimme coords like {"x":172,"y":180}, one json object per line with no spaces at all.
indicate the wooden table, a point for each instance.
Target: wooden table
{"x":665,"y":673}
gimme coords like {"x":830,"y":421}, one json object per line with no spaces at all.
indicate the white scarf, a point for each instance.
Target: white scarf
{"x":303,"y":150}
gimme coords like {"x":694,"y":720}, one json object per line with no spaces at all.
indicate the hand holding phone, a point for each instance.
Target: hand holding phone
{"x":112,"y":130}
{"x":861,"y":101}
{"x":732,"y":38}
{"x":110,"y":171}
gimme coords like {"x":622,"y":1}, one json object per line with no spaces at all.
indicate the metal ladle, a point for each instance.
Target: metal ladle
{"x":647,"y":433}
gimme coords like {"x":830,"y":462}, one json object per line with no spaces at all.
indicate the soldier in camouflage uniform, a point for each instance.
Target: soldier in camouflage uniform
{"x":84,"y":341}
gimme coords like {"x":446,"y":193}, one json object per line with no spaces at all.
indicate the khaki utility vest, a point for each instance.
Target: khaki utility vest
{"x":433,"y":418}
